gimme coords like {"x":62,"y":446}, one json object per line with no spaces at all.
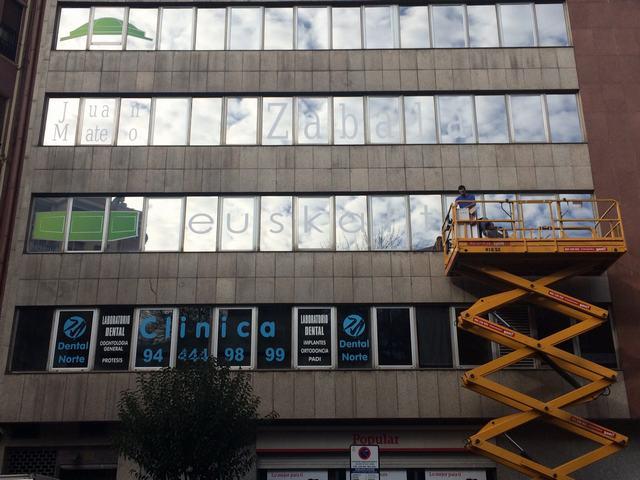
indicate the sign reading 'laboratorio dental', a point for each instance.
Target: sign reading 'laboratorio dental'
{"x":314,"y":337}
{"x":113,"y":344}
{"x":73,"y":339}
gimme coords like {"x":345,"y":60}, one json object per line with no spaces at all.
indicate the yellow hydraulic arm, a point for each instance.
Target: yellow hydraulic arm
{"x":468,"y":252}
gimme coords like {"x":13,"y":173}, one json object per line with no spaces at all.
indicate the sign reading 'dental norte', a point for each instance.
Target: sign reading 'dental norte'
{"x":354,"y":337}
{"x":456,"y":474}
{"x":314,"y":337}
{"x":73,"y":339}
{"x":114,"y":339}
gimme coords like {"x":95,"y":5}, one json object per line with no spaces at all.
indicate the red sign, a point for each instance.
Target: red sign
{"x":581,"y":422}
{"x":492,"y":326}
{"x":585,"y":249}
{"x":569,"y":300}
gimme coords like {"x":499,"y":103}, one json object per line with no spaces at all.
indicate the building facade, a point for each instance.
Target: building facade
{"x":266,"y":182}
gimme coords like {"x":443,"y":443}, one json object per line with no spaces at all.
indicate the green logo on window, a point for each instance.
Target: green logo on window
{"x":106,"y":26}
{"x":85,"y":226}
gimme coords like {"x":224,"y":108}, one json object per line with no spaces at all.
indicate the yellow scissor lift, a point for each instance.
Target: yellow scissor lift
{"x":527,"y":246}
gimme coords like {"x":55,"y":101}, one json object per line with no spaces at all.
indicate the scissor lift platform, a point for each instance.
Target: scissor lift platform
{"x":528,"y":245}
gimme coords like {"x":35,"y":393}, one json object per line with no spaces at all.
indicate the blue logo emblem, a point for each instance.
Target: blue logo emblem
{"x":74,"y":327}
{"x":354,"y":325}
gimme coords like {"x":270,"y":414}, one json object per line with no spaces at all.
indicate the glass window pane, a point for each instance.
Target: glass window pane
{"x":527,"y":118}
{"x":274,"y":336}
{"x":346,"y":28}
{"x":206,"y":121}
{"x":354,"y":337}
{"x":98,"y":121}
{"x":351,"y":223}
{"x":106,"y":33}
{"x":201,"y":224}
{"x":277,"y":121}
{"x":31,"y":339}
{"x":575,"y":212}
{"x":125,"y":224}
{"x":313,"y":28}
{"x":552,"y":25}
{"x":133,"y":128}
{"x":448,"y":27}
{"x":313,"y":120}
{"x":315,"y":230}
{"x":245,"y":29}
{"x":456,"y":119}
{"x":176,"y":29}
{"x":86,"y":228}
{"x":315,"y":337}
{"x":389,"y":230}
{"x":348,"y":121}
{"x":113,"y":339}
{"x":419,"y":120}
{"x":163,"y":225}
{"x":491,"y":115}
{"x":194,"y":335}
{"x":62,"y":121}
{"x":153,"y":347}
{"x":473,"y":350}
{"x":48,"y":224}
{"x":517,"y":25}
{"x":394,"y":336}
{"x":235,"y":329}
{"x":171,"y":121}
{"x":537,"y":216}
{"x":278,"y":29}
{"x":73,"y":339}
{"x":379,"y":27}
{"x":384,"y":120}
{"x":73,"y":29}
{"x":498,"y":207}
{"x":597,"y":345}
{"x":434,"y":337}
{"x":483,"y":26}
{"x":210,"y":28}
{"x":426,"y":222}
{"x":276,"y":224}
{"x":564,"y":120}
{"x":414,"y":27}
{"x":141,"y":33}
{"x":238,"y":224}
{"x":242,"y":121}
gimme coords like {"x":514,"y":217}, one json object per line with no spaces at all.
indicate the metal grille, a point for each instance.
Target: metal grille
{"x":41,"y":461}
{"x":518,"y":319}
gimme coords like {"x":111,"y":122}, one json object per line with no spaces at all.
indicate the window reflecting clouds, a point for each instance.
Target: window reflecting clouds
{"x":491,"y":115}
{"x":141,"y":33}
{"x":201,"y":224}
{"x":573,"y":207}
{"x":210,"y":28}
{"x":238,"y":222}
{"x":276,"y":224}
{"x":125,"y":224}
{"x":171,"y":121}
{"x":456,"y":119}
{"x":426,"y":221}
{"x":133,"y":128}
{"x":518,"y":28}
{"x":414,"y":27}
{"x":277,"y":121}
{"x":348,"y":120}
{"x":527,"y":118}
{"x":389,"y":229}
{"x":62,"y":121}
{"x":278,"y":29}
{"x":379,"y":31}
{"x":98,"y":121}
{"x":245,"y":29}
{"x":313,"y":120}
{"x":163,"y":224}
{"x":552,"y":25}
{"x":314,"y":229}
{"x":346,"y":28}
{"x":242,"y":121}
{"x":419,"y":120}
{"x":564,"y":120}
{"x":483,"y":26}
{"x":537,"y":216}
{"x":106,"y":33}
{"x":177,"y":29}
{"x":448,"y":27}
{"x":73,"y":29}
{"x":206,"y":121}
{"x":385,"y":124}
{"x":351,"y":223}
{"x":313,"y":28}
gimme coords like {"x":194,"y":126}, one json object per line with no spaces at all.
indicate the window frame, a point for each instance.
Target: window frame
{"x":92,"y":340}
{"x":254,"y":334}
{"x":413,"y":332}
{"x":105,"y":225}
{"x":134,"y":340}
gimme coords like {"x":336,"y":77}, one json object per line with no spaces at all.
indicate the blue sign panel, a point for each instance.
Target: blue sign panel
{"x":153,"y":347}
{"x":73,"y":339}
{"x":234,"y":336}
{"x":354,"y":337}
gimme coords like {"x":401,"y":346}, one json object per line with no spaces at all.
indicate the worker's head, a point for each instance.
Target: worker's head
{"x":462,"y":189}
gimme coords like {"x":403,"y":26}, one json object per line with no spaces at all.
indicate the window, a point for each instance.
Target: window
{"x":385,"y":124}
{"x":176,"y":29}
{"x":10,"y":24}
{"x":537,"y":217}
{"x":242,"y":121}
{"x":72,"y":340}
{"x":154,"y":339}
{"x":426,"y":222}
{"x":278,"y":28}
{"x":238,"y":223}
{"x":163,"y":224}
{"x":141,"y":31}
{"x":236,"y":336}
{"x":98,"y":121}
{"x":518,"y":29}
{"x":313,"y":120}
{"x":351,"y":223}
{"x":483,"y":26}
{"x":274,"y":337}
{"x":394,"y":335}
{"x":571,"y":209}
{"x":206,"y":121}
{"x":346,"y":28}
{"x":194,"y":335}
{"x":314,"y":219}
{"x":171,"y":121}
{"x":48,"y":224}
{"x":73,"y":29}
{"x":314,"y":333}
{"x":491,"y":115}
{"x":434,"y":336}
{"x":210,"y":29}
{"x":125,"y":224}
{"x":113,"y":342}
{"x":528,"y":118}
{"x":313,"y":28}
{"x":389,"y":229}
{"x":354,"y":337}
{"x":456,"y":119}
{"x":419,"y":120}
{"x":564,"y":120}
{"x":598,"y":346}
{"x":276,"y":224}
{"x":448,"y":26}
{"x":200,"y":226}
{"x":62,"y":121}
{"x":277,"y":121}
{"x":379,"y":27}
{"x":106,"y":28}
{"x":86,"y":227}
{"x":245,"y":32}
{"x":31,"y":339}
{"x":552,"y":25}
{"x":133,"y":128}
{"x":473,"y":350}
{"x":414,"y":27}
{"x":348,"y":121}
